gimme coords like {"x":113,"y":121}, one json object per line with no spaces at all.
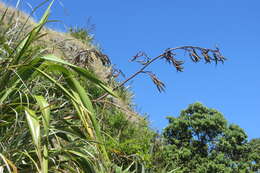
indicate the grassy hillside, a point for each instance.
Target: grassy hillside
{"x":49,"y":121}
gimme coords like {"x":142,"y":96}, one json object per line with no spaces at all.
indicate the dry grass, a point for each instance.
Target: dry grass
{"x":65,"y":46}
{"x":58,"y":43}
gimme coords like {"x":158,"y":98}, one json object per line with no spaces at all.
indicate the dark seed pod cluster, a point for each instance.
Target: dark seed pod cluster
{"x":169,"y":57}
{"x":159,"y":84}
{"x":85,"y":57}
{"x":196,"y":54}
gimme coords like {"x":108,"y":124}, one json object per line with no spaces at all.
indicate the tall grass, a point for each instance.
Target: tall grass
{"x":37,"y":93}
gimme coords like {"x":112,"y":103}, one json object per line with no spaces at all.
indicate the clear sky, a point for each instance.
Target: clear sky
{"x":125,"y":27}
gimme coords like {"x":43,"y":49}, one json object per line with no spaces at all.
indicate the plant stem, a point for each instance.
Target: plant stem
{"x":151,"y":61}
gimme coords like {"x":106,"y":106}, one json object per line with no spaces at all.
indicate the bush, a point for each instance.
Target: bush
{"x":81,"y":34}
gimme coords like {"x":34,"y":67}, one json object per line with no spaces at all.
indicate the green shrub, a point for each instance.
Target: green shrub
{"x":81,"y":34}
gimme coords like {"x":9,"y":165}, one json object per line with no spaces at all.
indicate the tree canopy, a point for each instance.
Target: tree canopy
{"x":201,"y":140}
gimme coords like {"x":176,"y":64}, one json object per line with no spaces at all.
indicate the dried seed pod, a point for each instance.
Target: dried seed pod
{"x":216,"y":59}
{"x":178,"y":64}
{"x":222,"y":59}
{"x":159,"y":84}
{"x":206,"y":56}
{"x":168,"y":56}
{"x":195,"y":56}
{"x":219,"y":57}
{"x":138,"y":55}
{"x":104,"y":58}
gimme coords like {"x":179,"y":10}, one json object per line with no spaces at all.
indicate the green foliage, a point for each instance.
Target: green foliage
{"x":48,"y":122}
{"x":254,"y":155}
{"x":200,"y":140}
{"x":127,"y":141}
{"x":36,"y":133}
{"x":81,"y":34}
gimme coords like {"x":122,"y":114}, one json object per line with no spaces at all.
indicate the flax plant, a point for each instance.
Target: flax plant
{"x":36,"y":91}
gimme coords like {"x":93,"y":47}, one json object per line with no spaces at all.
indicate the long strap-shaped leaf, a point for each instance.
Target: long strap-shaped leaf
{"x":83,"y":98}
{"x":45,"y":110}
{"x":82,"y":71}
{"x":22,"y":74}
{"x":63,"y":89}
{"x":24,"y":45}
{"x":34,"y":126}
{"x":33,"y":34}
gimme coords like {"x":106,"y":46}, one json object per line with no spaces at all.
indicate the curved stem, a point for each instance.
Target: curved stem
{"x":151,"y":61}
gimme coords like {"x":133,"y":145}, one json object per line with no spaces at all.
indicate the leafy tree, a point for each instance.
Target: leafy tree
{"x":201,"y":140}
{"x":254,"y":156}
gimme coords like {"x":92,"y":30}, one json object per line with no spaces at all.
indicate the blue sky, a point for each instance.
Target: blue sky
{"x":125,"y":27}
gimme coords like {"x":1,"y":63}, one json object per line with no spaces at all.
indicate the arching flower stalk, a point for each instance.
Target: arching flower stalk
{"x":196,"y":54}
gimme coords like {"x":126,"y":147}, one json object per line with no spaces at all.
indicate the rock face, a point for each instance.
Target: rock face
{"x":67,"y":47}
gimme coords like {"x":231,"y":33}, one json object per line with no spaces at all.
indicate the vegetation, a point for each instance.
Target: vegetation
{"x":82,"y":34}
{"x":58,"y":115}
{"x":201,"y":140}
{"x":36,"y":134}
